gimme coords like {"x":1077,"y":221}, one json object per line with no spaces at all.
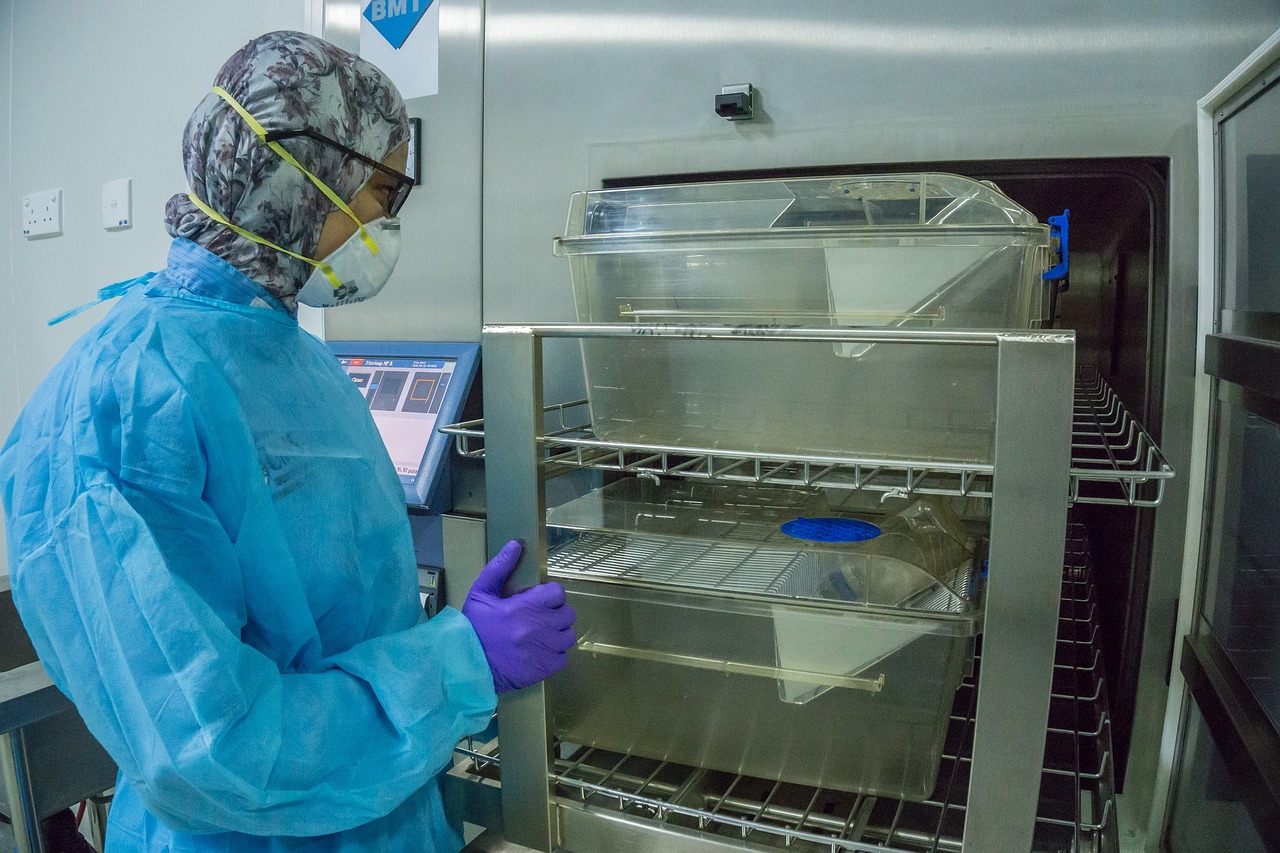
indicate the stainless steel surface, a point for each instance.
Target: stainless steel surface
{"x":341,"y":24}
{"x":27,"y":695}
{"x":1250,"y":363}
{"x":58,"y":762}
{"x":609,"y":801}
{"x":913,"y":82}
{"x":903,"y":76}
{"x":16,"y":772}
{"x":933,"y":337}
{"x":590,"y":830}
{"x":435,"y":292}
{"x":464,"y":555}
{"x":491,"y":841}
{"x":513,"y":399}
{"x":1028,"y":529}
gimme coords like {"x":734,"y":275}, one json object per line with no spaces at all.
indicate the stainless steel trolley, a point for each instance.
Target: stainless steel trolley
{"x":1045,"y":449}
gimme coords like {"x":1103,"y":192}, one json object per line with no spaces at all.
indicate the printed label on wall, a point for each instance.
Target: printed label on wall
{"x":402,"y":37}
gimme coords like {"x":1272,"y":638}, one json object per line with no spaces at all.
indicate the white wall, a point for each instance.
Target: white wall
{"x":8,"y":332}
{"x":98,"y":91}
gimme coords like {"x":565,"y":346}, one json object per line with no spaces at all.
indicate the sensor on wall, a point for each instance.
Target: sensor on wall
{"x":117,"y":204}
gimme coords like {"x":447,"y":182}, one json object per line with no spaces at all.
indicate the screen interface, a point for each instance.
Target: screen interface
{"x":404,"y":395}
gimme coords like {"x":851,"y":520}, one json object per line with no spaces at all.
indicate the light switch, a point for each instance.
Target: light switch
{"x":117,"y":204}
{"x":42,"y":214}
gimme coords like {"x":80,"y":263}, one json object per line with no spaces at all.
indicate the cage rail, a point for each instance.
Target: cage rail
{"x":1114,"y":460}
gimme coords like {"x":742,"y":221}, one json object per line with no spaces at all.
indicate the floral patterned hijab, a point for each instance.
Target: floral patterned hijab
{"x":287,"y":81}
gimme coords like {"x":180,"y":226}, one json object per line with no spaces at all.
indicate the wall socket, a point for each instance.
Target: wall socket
{"x":42,"y":214}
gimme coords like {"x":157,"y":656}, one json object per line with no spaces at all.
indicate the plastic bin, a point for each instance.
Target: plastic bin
{"x":753,"y":539}
{"x":706,"y":639}
{"x":916,"y":251}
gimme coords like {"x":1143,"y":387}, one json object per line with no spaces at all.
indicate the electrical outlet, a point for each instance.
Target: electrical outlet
{"x":42,"y":214}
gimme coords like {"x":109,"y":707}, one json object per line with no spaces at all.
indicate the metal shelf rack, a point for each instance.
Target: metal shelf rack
{"x":1113,"y":459}
{"x":1076,"y":811}
{"x":1042,"y":446}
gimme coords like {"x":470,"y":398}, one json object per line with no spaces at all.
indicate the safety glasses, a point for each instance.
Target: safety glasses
{"x":403,"y":183}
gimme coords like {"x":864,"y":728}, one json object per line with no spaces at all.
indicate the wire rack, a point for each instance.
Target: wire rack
{"x":1113,"y":459}
{"x":725,"y":565}
{"x":1077,"y":807}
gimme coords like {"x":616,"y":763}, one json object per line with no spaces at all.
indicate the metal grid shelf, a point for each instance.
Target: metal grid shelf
{"x":1113,"y":459}
{"x":693,"y":564}
{"x":726,"y":565}
{"x":1076,"y":813}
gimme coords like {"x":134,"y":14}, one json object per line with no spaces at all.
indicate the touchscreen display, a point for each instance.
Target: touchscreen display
{"x":404,"y":396}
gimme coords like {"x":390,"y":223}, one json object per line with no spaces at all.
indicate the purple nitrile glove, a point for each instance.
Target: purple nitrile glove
{"x":525,"y":636}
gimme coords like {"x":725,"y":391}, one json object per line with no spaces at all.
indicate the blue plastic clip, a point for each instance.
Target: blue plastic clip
{"x":1058,"y":227}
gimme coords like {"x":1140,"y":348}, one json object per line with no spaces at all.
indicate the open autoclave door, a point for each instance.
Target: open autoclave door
{"x":1227,"y":768}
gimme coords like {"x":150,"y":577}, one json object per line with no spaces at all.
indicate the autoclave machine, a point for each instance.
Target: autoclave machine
{"x":821,"y":588}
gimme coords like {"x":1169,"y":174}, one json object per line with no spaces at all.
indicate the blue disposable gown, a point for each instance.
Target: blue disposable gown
{"x":208,"y":544}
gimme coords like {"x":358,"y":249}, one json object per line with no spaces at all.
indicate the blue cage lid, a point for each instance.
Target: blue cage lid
{"x":830,"y":529}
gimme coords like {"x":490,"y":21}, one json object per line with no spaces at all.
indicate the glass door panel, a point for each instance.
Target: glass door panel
{"x":1250,"y":216}
{"x":1242,"y":581}
{"x":1207,"y":805}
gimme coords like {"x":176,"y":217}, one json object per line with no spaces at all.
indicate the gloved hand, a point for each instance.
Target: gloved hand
{"x":525,"y":636}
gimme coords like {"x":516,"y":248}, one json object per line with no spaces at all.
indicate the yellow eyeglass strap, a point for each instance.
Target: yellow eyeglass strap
{"x":249,"y":235}
{"x":257,"y":128}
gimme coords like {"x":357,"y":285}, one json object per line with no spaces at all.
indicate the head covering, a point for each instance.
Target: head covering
{"x":287,"y":81}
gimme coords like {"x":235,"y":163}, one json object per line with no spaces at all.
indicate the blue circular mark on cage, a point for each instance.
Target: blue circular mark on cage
{"x":830,"y":529}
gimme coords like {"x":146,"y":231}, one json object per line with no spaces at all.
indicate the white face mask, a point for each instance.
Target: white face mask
{"x":361,"y":273}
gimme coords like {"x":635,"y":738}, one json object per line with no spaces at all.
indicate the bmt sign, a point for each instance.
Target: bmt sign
{"x":395,"y":19}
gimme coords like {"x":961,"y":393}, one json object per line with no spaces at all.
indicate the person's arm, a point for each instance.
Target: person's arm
{"x":135,"y":601}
